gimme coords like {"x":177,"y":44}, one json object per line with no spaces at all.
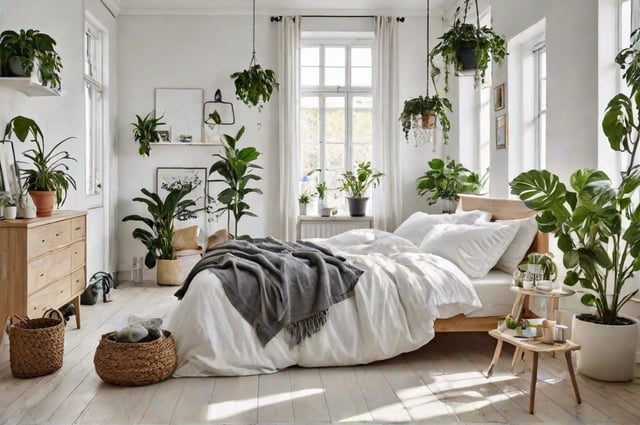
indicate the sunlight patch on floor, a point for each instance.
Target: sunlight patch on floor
{"x":228,"y":409}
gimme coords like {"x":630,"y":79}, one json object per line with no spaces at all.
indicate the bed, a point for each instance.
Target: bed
{"x":396,"y":302}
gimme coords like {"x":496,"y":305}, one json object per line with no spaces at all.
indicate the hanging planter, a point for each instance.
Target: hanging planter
{"x":255,"y":85}
{"x":468,"y":47}
{"x":423,"y":112}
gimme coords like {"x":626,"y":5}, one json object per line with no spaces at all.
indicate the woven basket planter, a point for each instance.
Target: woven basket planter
{"x":135,"y":363}
{"x":36,"y":346}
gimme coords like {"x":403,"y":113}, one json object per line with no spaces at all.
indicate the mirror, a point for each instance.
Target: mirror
{"x":181,"y":109}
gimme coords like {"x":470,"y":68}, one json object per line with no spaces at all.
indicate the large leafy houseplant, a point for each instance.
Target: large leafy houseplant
{"x":235,"y":167}
{"x":158,"y":236}
{"x":19,"y":52}
{"x":465,"y":40}
{"x":145,"y":132}
{"x":597,"y":223}
{"x":356,"y":183}
{"x":423,"y":111}
{"x":49,"y":169}
{"x":447,"y":179}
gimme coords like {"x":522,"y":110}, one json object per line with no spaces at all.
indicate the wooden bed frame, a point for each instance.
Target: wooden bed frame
{"x":501,"y":209}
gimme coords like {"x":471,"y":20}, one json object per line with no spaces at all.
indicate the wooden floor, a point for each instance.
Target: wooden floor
{"x":440,"y":383}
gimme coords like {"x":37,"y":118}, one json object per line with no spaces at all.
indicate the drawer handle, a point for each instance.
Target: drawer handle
{"x":43,"y":241}
{"x":57,"y":234}
{"x":41,"y":274}
{"x":75,"y":253}
{"x":61,"y":291}
{"x":78,"y":228}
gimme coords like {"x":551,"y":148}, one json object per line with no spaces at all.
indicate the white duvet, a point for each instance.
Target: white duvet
{"x":395,"y":304}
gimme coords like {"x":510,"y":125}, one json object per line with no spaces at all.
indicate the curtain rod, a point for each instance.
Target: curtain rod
{"x":279,"y":18}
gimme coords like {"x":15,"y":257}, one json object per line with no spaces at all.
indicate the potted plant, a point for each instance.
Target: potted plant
{"x":468,"y":47}
{"x":48,"y":178}
{"x":355,"y":185}
{"x":423,"y":111}
{"x":158,"y":238}
{"x":303,"y":200}
{"x":235,"y":168}
{"x":447,"y":180}
{"x":23,"y":52}
{"x":597,"y":225}
{"x":321,"y":192}
{"x":145,"y":132}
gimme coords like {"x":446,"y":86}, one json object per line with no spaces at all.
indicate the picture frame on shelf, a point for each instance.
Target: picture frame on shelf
{"x":164,"y":136}
{"x":168,"y":176}
{"x":9,"y":170}
{"x":498,"y":97}
{"x":501,"y":131}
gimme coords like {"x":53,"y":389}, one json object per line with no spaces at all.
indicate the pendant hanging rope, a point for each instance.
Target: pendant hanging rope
{"x":428,"y":47}
{"x":253,"y":54}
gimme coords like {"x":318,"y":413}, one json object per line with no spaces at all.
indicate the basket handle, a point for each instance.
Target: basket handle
{"x":49,"y":311}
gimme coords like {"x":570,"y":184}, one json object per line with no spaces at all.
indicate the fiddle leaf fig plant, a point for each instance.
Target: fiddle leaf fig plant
{"x":596,"y":222}
{"x":145,"y":132}
{"x":235,"y":168}
{"x":446,"y":180}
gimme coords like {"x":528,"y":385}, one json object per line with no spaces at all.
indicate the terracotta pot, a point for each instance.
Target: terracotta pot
{"x":44,"y":201}
{"x":428,"y":120}
{"x":169,"y":272}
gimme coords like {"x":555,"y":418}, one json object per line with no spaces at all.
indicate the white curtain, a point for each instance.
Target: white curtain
{"x":288,"y":124}
{"x":387,"y":197}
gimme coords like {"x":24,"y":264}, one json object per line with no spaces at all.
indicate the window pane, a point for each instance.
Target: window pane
{"x":334,"y":56}
{"x":362,"y":127}
{"x":334,"y":119}
{"x":310,"y":159}
{"x":361,"y":77}
{"x":310,"y":127}
{"x":310,"y":76}
{"x":335,"y":156}
{"x":361,"y":56}
{"x":334,"y":76}
{"x":362,"y":152}
{"x":310,"y":56}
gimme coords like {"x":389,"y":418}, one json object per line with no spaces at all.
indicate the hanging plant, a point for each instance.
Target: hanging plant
{"x":423,"y":111}
{"x":466,"y":46}
{"x":255,"y":85}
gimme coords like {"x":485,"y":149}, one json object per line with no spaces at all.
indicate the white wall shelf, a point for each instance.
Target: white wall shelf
{"x":28,"y":86}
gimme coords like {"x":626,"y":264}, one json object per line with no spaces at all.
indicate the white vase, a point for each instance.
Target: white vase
{"x":10,"y":212}
{"x":320,"y":206}
{"x":607,"y":352}
{"x":303,"y":209}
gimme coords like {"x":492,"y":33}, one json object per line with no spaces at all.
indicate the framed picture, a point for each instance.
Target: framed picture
{"x":168,"y":177}
{"x":498,"y":97}
{"x":501,"y":131}
{"x":9,"y":171}
{"x":164,"y":135}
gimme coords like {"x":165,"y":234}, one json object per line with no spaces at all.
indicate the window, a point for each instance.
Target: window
{"x":94,"y":107}
{"x":540,"y":100}
{"x":336,"y":111}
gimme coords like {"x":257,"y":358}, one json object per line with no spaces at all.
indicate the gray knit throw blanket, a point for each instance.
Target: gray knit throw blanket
{"x":276,"y":285}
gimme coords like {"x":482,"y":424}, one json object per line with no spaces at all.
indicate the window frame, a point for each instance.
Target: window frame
{"x":540,"y":138}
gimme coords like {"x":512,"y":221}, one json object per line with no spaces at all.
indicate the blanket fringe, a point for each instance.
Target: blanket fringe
{"x":302,"y":329}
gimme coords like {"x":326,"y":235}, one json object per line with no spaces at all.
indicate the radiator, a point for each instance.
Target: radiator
{"x":324,"y":227}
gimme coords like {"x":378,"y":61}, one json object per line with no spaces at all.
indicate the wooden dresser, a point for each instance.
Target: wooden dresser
{"x":42,"y":264}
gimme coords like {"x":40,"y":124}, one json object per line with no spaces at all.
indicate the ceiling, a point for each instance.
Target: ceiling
{"x":242,"y":7}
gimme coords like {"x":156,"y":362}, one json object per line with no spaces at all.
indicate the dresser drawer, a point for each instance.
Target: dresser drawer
{"x":78,"y":281}
{"x":78,"y":228}
{"x":44,"y":270}
{"x":77,"y":254}
{"x":45,"y":238}
{"x":53,"y":296}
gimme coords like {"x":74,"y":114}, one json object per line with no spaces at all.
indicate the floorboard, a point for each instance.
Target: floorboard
{"x":442,"y":382}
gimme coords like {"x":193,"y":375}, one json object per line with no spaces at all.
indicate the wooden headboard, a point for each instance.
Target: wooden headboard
{"x":505,"y":209}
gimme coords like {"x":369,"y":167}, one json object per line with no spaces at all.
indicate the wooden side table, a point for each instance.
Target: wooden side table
{"x":535,"y":346}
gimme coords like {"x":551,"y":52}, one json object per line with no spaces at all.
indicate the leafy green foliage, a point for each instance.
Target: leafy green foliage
{"x":446,"y":180}
{"x":255,"y":85}
{"x":145,"y":132}
{"x":321,"y":190}
{"x":235,"y":167}
{"x":305,"y":197}
{"x":486,"y":44}
{"x":416,"y":107}
{"x":49,"y":171}
{"x":599,"y":252}
{"x":355,"y":184}
{"x":29,"y":45}
{"x":158,"y":238}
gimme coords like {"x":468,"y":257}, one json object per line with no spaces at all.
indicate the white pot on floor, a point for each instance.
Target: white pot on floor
{"x":607,"y":352}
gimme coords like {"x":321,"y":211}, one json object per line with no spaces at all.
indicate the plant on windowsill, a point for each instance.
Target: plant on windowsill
{"x":447,"y":180}
{"x":48,"y":179}
{"x":145,"y":132}
{"x":468,"y":47}
{"x":158,"y":238}
{"x":304,"y":199}
{"x":423,"y":111}
{"x":597,"y":225}
{"x":355,"y":185}
{"x":235,"y":167}
{"x":23,"y":52}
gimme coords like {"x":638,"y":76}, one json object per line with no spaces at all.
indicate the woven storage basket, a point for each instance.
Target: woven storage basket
{"x":36,"y":346}
{"x":135,"y":363}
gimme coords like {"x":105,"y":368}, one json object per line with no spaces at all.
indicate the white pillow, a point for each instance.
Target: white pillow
{"x":416,"y":227}
{"x":478,"y":216}
{"x":527,"y":230}
{"x":474,"y":248}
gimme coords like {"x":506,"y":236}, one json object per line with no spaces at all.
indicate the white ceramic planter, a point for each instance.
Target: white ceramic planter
{"x":608,"y":352}
{"x":10,"y":212}
{"x":303,"y":209}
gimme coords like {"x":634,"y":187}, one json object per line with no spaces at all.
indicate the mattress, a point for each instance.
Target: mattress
{"x":493,"y":291}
